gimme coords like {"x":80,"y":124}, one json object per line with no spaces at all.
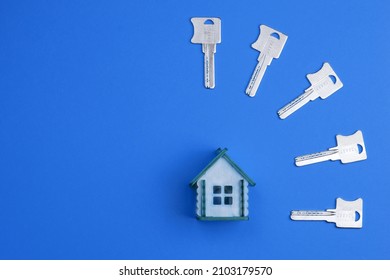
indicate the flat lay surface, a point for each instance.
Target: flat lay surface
{"x":105,"y":120}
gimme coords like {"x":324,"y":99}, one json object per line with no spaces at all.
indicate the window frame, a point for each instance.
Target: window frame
{"x":224,"y":198}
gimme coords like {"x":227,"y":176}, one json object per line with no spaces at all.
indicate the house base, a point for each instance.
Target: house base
{"x":222,"y":218}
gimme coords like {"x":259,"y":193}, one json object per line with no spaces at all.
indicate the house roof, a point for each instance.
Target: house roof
{"x":221,"y":153}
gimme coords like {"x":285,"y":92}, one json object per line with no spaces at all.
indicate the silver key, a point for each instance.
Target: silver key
{"x":323,"y":84}
{"x":347,"y":151}
{"x":207,"y":31}
{"x":270,"y":44}
{"x":348,"y":214}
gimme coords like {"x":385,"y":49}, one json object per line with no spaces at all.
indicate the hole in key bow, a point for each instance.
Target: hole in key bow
{"x":360,"y":148}
{"x":209,"y":21}
{"x":275,"y":35}
{"x":357,"y":216}
{"x":333,"y":78}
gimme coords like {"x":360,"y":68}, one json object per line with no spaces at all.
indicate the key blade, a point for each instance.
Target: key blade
{"x":308,"y":95}
{"x":209,"y":72}
{"x":348,"y":147}
{"x":258,"y":75}
{"x":270,"y":41}
{"x":331,"y":154}
{"x":346,"y":213}
{"x":206,"y":33}
{"x":325,"y":82}
{"x":312,"y":215}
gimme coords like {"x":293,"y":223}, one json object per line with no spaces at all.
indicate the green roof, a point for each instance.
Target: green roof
{"x":222,"y":153}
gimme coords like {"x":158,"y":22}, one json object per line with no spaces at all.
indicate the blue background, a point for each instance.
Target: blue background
{"x":104,"y":121}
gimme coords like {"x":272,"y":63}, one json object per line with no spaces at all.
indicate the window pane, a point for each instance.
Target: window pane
{"x":217,"y":200}
{"x":228,"y":200}
{"x":217,"y":189}
{"x":228,"y":189}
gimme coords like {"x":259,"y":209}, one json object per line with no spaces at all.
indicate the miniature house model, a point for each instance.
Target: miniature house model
{"x":222,"y":190}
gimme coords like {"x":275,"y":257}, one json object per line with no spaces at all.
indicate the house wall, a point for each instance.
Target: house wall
{"x":222,"y":174}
